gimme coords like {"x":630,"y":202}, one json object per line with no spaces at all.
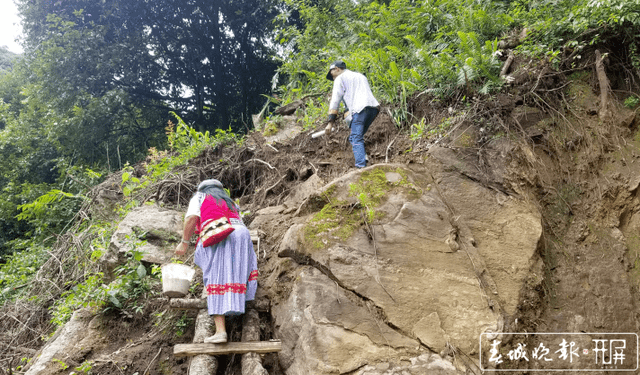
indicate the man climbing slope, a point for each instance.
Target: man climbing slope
{"x":353,"y":88}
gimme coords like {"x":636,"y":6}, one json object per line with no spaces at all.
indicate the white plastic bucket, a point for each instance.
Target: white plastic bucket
{"x":176,"y":279}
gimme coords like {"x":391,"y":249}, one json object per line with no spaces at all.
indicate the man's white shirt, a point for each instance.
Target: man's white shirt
{"x":354,"y":88}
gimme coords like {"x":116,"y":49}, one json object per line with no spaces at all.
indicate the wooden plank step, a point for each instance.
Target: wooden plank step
{"x":260,"y":347}
{"x":260,"y":304}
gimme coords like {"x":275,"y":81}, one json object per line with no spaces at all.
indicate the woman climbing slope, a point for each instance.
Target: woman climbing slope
{"x":229,"y":267}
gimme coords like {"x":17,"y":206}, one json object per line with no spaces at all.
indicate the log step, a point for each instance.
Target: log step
{"x":260,"y":304}
{"x":187,"y":303}
{"x":260,"y":347}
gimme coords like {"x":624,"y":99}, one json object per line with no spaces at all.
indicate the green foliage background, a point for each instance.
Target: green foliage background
{"x":6,"y":59}
{"x":442,"y":47}
{"x":402,"y":46}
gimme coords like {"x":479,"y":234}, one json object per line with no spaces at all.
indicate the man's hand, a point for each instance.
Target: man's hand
{"x":327,"y":129}
{"x":332,"y":117}
{"x":181,"y":249}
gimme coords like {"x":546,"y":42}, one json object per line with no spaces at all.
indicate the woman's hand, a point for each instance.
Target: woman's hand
{"x":181,"y":249}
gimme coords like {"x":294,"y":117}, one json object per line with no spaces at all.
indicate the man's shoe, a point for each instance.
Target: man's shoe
{"x":218,"y":338}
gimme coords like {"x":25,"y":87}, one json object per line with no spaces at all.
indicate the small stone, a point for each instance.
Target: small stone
{"x":393,"y":177}
{"x":384,"y":366}
{"x":439,"y":363}
{"x":429,"y":331}
{"x":368,"y":370}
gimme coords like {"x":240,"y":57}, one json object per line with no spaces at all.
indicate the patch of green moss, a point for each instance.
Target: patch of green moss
{"x":335,"y":221}
{"x":339,"y":219}
{"x":331,"y":190}
{"x":370,"y":188}
{"x":465,"y":140}
{"x":373,"y":186}
{"x":158,"y":237}
{"x":271,"y":128}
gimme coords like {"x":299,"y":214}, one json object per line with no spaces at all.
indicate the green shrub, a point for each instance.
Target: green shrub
{"x":631,"y":102}
{"x":186,"y":143}
{"x":575,"y":24}
{"x":125,"y":295}
{"x":16,"y":274}
{"x":132,"y":283}
{"x":90,"y":293}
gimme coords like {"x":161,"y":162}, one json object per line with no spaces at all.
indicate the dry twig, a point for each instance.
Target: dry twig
{"x":146,"y":371}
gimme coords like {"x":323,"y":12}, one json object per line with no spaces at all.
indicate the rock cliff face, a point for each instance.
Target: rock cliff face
{"x":394,"y":262}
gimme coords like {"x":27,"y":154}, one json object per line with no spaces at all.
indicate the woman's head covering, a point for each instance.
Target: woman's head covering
{"x":215,"y":189}
{"x":210,"y":182}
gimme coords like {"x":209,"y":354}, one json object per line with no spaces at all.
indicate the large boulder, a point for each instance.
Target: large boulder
{"x":397,"y":260}
{"x":153,"y":230}
{"x":70,"y":344}
{"x":330,"y":330}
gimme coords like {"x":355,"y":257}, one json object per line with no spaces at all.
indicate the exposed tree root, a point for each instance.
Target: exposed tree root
{"x":605,"y":89}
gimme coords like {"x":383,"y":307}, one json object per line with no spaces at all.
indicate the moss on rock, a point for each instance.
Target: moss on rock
{"x":340,"y":218}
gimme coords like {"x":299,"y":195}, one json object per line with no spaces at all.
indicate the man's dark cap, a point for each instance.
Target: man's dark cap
{"x":336,"y":64}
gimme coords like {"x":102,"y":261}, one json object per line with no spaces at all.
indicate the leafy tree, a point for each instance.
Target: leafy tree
{"x":9,"y":86}
{"x":208,"y":60}
{"x":569,"y":29}
{"x":98,"y":80}
{"x":7,"y":59}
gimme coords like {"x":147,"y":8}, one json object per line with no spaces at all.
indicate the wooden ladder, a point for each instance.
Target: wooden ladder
{"x":203,"y":361}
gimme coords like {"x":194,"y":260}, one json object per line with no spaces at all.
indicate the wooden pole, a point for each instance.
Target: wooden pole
{"x":203,"y":364}
{"x":251,"y":363}
{"x":260,"y":304}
